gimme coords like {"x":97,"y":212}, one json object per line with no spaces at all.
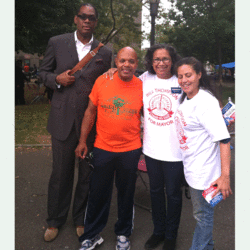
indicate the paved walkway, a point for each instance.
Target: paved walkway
{"x":33,"y":168}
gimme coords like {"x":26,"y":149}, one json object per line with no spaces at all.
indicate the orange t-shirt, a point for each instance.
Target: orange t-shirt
{"x":118,"y":113}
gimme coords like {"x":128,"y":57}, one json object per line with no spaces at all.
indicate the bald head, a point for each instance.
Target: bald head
{"x":126,"y":62}
{"x":127,"y":50}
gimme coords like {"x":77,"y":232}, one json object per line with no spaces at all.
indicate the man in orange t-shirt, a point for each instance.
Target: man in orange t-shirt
{"x":116,"y":106}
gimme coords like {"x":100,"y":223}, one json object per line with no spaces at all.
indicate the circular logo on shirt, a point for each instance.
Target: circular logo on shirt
{"x":160,"y":107}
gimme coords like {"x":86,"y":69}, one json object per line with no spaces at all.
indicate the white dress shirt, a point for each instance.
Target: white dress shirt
{"x":82,"y":49}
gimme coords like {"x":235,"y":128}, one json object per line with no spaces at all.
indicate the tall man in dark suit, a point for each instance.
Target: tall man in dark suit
{"x":70,"y":100}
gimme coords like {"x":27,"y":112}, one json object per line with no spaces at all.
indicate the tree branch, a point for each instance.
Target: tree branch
{"x":113,"y":17}
{"x":116,"y":32}
{"x":144,"y":4}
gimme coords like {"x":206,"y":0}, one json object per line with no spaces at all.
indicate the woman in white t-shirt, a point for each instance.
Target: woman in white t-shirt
{"x":161,"y":93}
{"x":204,"y":142}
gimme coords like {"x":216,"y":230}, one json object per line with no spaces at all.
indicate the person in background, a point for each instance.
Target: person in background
{"x":26,"y":70}
{"x":205,"y":145}
{"x":68,"y":105}
{"x":20,"y":78}
{"x":117,"y":106}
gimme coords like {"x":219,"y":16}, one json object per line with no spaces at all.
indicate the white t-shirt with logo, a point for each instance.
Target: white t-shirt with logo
{"x":200,"y":126}
{"x":159,"y":105}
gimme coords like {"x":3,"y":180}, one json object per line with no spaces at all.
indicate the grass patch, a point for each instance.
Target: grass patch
{"x":30,"y":124}
{"x":31,"y":91}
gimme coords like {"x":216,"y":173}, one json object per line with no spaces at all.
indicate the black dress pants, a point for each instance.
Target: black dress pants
{"x":107,"y":166}
{"x":61,"y":183}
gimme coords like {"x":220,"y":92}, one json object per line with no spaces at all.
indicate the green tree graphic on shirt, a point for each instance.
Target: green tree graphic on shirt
{"x":118,"y":104}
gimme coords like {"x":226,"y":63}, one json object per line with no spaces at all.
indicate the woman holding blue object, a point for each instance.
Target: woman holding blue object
{"x":204,"y":142}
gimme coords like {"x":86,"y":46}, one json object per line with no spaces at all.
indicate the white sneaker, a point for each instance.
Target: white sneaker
{"x":90,"y":244}
{"x":122,"y":243}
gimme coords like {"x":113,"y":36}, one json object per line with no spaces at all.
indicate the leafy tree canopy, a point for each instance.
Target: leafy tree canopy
{"x":201,"y":28}
{"x":38,"y":20}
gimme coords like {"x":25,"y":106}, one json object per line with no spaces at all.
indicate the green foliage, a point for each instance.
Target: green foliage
{"x":204,"y":29}
{"x":38,"y":20}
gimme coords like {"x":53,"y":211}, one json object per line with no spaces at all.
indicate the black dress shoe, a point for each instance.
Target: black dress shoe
{"x":154,"y":241}
{"x":169,"y":244}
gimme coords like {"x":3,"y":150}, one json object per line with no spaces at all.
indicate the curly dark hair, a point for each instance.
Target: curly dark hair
{"x":197,"y":66}
{"x":150,"y":52}
{"x":88,"y":4}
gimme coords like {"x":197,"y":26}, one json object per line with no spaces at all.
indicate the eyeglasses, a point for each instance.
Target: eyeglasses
{"x":84,"y":17}
{"x":164,"y":60}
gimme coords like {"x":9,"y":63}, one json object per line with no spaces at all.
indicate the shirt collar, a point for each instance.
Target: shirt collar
{"x":78,"y":41}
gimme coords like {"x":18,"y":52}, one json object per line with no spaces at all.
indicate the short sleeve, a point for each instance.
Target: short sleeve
{"x":94,"y":95}
{"x":212,"y":120}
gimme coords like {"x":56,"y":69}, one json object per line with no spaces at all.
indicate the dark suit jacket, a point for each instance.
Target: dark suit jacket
{"x":69,"y":103}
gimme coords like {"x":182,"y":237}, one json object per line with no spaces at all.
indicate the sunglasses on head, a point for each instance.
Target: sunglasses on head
{"x":84,"y":17}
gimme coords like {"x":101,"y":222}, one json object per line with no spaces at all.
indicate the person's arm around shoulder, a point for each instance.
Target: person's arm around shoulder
{"x":110,"y":73}
{"x":223,"y":182}
{"x":87,"y":124}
